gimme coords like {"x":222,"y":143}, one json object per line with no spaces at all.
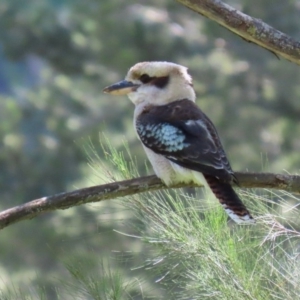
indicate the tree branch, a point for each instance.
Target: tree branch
{"x":250,"y":29}
{"x":114,"y":190}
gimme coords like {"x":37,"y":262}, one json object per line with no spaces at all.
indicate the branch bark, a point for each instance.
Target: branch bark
{"x":114,"y":190}
{"x":250,"y":29}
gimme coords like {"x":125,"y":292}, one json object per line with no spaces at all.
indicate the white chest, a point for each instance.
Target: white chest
{"x":171,"y":173}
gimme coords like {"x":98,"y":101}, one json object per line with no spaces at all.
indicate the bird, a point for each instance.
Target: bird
{"x":180,"y":141}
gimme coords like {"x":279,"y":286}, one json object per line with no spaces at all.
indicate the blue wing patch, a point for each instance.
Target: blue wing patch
{"x":164,"y":136}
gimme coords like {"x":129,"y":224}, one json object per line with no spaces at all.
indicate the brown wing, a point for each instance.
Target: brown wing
{"x":183,"y":133}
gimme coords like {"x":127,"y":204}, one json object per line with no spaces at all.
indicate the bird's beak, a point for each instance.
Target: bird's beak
{"x":123,"y":87}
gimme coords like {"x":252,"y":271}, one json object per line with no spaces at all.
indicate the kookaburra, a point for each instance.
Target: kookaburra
{"x":180,"y":141}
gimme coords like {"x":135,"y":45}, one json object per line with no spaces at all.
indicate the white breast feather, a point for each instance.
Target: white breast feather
{"x":171,"y":173}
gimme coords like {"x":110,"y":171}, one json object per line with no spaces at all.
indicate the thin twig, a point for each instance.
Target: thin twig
{"x":114,"y":190}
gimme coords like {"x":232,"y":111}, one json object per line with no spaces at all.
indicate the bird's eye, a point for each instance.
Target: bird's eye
{"x":145,"y":78}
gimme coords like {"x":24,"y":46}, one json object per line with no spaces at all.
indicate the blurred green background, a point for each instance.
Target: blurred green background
{"x":55,"y":59}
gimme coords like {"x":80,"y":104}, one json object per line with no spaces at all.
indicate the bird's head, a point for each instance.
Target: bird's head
{"x":155,"y":83}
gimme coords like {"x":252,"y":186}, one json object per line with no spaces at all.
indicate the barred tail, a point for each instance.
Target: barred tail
{"x":232,"y":204}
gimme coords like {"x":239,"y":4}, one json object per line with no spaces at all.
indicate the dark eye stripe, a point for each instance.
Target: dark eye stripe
{"x":145,"y":78}
{"x":161,"y":82}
